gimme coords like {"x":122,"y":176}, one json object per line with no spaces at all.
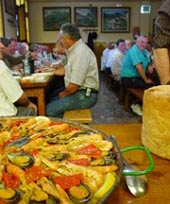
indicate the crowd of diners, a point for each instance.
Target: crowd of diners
{"x":72,"y":61}
{"x":146,"y":62}
{"x":131,"y":64}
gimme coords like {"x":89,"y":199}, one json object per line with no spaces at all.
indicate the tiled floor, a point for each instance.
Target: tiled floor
{"x":108,"y":110}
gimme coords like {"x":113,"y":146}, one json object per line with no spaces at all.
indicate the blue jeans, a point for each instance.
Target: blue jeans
{"x":78,"y":100}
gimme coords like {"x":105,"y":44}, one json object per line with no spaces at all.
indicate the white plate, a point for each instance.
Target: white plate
{"x":40,"y":77}
{"x":27,"y":79}
{"x":45,"y":74}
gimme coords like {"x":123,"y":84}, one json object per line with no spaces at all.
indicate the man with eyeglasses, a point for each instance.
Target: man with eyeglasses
{"x":80,"y":74}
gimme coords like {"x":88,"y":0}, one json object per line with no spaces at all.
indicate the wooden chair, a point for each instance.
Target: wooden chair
{"x":80,"y":115}
{"x":138,"y":93}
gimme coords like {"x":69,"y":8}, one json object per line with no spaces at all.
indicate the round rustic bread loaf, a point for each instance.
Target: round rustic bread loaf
{"x":156,"y":120}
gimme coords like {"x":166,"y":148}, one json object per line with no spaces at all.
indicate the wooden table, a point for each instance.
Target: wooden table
{"x":38,"y":90}
{"x":158,"y":179}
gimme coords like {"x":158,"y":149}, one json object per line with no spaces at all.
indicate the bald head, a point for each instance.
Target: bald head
{"x":142,"y":42}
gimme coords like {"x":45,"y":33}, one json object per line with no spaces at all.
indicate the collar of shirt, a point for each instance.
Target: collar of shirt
{"x":75,"y":45}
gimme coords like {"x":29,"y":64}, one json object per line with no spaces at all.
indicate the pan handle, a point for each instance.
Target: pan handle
{"x":140,"y":172}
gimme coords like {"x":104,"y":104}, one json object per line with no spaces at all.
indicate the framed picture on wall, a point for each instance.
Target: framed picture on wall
{"x":54,"y":17}
{"x":10,"y":7}
{"x":85,"y":16}
{"x":115,"y":19}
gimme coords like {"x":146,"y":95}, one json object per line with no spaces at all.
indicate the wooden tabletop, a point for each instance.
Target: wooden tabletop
{"x":158,"y":179}
{"x":32,"y":84}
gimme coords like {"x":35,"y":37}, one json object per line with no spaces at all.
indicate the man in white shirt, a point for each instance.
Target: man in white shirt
{"x":80,"y":75}
{"x":117,"y":58}
{"x":13,"y":101}
{"x":105,"y":55}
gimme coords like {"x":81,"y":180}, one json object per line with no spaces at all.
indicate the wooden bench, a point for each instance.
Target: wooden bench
{"x":80,"y":115}
{"x":138,"y":93}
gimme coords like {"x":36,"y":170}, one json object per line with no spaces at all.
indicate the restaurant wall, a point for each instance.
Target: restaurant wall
{"x":38,"y":35}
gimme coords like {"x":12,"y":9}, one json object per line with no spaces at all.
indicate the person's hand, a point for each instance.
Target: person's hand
{"x":32,"y":105}
{"x":61,"y":94}
{"x":148,"y":81}
{"x":150,"y":69}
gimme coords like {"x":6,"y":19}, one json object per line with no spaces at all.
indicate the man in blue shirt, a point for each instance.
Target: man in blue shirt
{"x":135,"y":66}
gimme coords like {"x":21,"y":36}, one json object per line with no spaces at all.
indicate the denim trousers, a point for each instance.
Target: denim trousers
{"x":78,"y":100}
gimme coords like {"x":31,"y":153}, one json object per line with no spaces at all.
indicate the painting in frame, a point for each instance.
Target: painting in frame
{"x":115,"y":19}
{"x":54,"y":17}
{"x":85,"y":16}
{"x":10,"y":7}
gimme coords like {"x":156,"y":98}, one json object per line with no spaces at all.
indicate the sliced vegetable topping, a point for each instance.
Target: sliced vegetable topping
{"x":90,"y":150}
{"x":83,"y":162}
{"x":68,"y":181}
{"x":36,"y":172}
{"x":10,"y":180}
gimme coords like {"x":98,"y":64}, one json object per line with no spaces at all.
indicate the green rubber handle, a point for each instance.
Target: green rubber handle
{"x":139,"y":172}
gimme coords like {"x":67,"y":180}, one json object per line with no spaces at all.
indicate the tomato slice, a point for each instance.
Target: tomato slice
{"x":91,"y":150}
{"x":36,"y":172}
{"x":34,"y":152}
{"x":67,"y":182}
{"x":82,"y":162}
{"x":17,"y":123}
{"x":1,"y":149}
{"x":10,"y":180}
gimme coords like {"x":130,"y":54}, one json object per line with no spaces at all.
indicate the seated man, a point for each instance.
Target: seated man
{"x":12,"y":62}
{"x":105,"y":55}
{"x":135,"y":66}
{"x":81,"y":75}
{"x":117,"y":58}
{"x":13,"y":101}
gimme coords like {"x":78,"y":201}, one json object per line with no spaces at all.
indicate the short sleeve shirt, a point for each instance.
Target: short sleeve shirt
{"x":81,"y":67}
{"x":133,"y":57}
{"x":10,"y":91}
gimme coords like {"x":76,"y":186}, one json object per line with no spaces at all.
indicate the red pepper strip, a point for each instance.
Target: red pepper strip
{"x":10,"y":180}
{"x":34,"y":152}
{"x":82,"y":162}
{"x":1,"y":149}
{"x":91,"y":150}
{"x":67,"y":182}
{"x":36,"y":172}
{"x":17,"y":123}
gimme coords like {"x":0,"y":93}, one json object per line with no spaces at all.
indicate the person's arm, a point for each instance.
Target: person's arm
{"x":24,"y":101}
{"x":70,"y":89}
{"x":142,"y":73}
